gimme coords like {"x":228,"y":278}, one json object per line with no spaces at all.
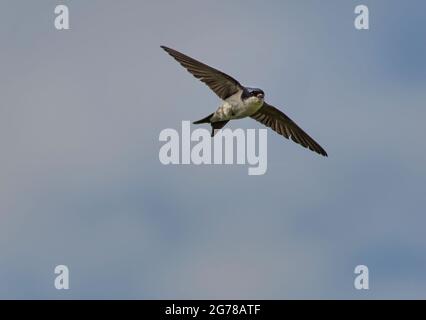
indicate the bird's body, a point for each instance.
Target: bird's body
{"x":235,"y":107}
{"x":241,"y":102}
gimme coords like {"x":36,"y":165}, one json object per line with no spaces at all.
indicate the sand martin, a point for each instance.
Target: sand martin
{"x":240,"y":102}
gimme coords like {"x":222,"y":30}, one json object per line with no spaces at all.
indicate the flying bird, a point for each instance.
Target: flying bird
{"x":241,"y":102}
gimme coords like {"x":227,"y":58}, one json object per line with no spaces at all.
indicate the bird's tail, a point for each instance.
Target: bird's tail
{"x":215,"y":125}
{"x":204,"y":120}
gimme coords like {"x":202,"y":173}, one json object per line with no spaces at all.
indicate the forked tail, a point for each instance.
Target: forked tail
{"x":215,"y":125}
{"x":204,"y":120}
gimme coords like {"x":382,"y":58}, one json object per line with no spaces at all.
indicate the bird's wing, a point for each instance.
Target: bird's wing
{"x":222,"y":84}
{"x":280,"y":123}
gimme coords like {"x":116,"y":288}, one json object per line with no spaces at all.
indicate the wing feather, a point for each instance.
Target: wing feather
{"x":221,"y":83}
{"x":283,"y":125}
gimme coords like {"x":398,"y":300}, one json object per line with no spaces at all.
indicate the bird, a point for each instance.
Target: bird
{"x":240,"y":102}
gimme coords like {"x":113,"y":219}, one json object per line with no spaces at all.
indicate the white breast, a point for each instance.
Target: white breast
{"x":235,"y":108}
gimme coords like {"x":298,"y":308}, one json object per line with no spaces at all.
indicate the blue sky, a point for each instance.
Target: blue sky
{"x":81,"y":183}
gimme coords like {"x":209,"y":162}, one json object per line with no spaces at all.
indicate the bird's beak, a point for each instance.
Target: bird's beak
{"x":260,"y":96}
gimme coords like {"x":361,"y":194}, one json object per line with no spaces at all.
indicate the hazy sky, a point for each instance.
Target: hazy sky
{"x":81,"y":183}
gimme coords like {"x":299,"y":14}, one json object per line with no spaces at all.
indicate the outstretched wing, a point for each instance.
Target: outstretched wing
{"x":222,"y":84}
{"x":280,"y":123}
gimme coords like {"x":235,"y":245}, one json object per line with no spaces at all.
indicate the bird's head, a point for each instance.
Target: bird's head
{"x":253,"y":94}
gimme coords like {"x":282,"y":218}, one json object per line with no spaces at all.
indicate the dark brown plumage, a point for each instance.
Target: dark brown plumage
{"x":280,"y":123}
{"x":221,"y":84}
